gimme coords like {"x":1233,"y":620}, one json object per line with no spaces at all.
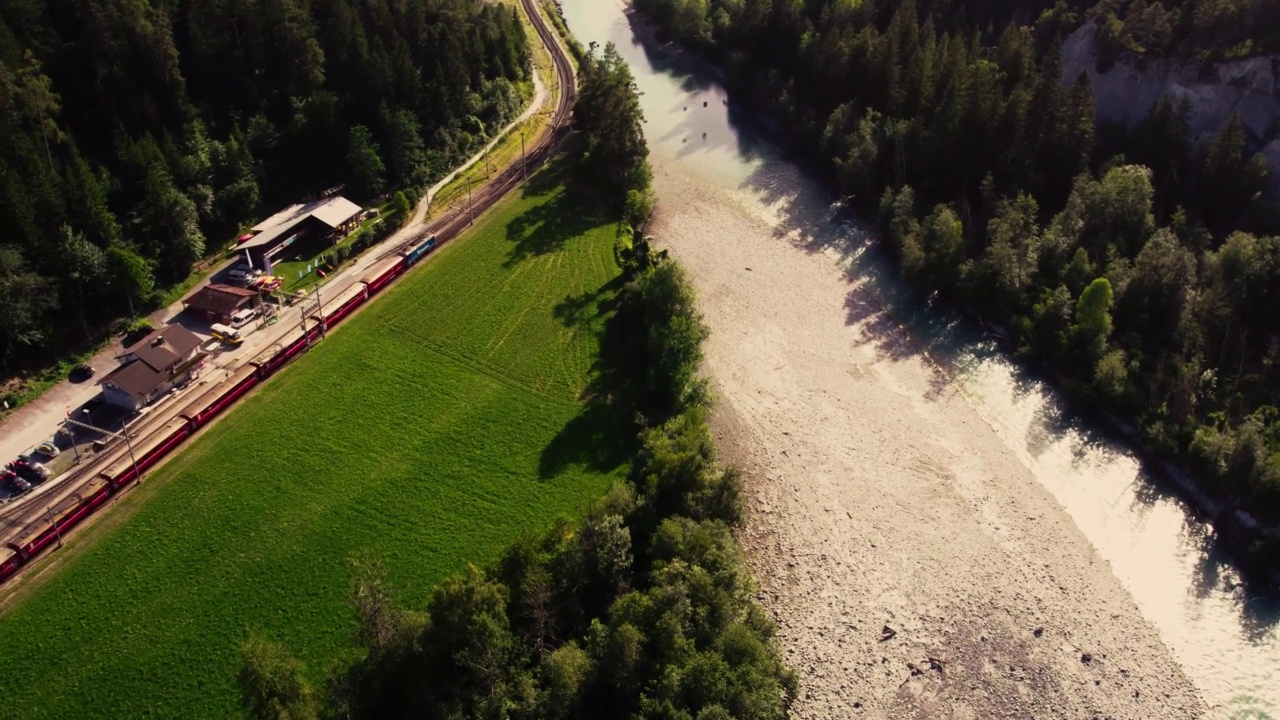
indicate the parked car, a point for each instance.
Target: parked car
{"x":30,"y":469}
{"x":25,"y":472}
{"x":228,"y":335}
{"x":80,"y":373}
{"x":243,"y":274}
{"x":49,"y":449}
{"x":15,"y":483}
{"x":243,"y":317}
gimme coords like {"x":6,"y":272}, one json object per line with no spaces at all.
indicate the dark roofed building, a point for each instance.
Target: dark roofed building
{"x":152,"y":366}
{"x":161,"y":347}
{"x":219,"y":302}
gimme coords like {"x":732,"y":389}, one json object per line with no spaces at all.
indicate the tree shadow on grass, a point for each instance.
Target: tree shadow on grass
{"x":599,"y":439}
{"x":550,"y":177}
{"x":569,"y":208}
{"x":584,"y":307}
{"x":603,"y":436}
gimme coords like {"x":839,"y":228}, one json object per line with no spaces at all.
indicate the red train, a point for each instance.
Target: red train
{"x":121,"y":471}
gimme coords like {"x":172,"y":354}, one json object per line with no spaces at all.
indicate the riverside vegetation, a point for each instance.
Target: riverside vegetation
{"x":139,"y":133}
{"x":642,"y":608}
{"x":1143,"y":269}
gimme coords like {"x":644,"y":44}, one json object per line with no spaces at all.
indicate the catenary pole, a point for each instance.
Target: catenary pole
{"x":471,"y":208}
{"x":71,"y":434}
{"x":128,"y":442}
{"x":56,"y":529}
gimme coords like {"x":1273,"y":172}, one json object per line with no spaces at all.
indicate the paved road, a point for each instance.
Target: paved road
{"x":21,"y":518}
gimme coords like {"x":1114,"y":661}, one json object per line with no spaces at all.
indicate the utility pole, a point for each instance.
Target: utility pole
{"x":302,"y":317}
{"x":324,"y":329}
{"x":54,"y":523}
{"x":302,"y":311}
{"x":524,"y":160}
{"x":471,"y":208}
{"x":72,"y":434}
{"x":128,"y":442}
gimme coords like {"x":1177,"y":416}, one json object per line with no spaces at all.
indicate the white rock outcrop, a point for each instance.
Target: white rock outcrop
{"x":1127,"y":91}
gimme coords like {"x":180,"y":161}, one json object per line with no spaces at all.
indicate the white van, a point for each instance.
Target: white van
{"x":243,"y":317}
{"x":228,"y":335}
{"x":243,"y":274}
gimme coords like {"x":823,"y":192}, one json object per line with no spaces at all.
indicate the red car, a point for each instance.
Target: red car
{"x":11,"y":479}
{"x":29,"y":470}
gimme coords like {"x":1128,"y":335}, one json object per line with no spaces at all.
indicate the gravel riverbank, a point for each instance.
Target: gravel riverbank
{"x":915,"y":566}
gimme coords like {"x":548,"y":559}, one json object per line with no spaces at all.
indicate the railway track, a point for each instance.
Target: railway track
{"x":29,"y":519}
{"x":452,"y":224}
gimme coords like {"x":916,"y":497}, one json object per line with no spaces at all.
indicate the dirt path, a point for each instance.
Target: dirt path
{"x":914,"y":565}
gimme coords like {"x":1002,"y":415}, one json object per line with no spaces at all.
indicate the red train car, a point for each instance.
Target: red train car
{"x":241,"y":382}
{"x":121,"y":471}
{"x":9,"y":567}
{"x":84,"y":509}
{"x":380,"y":278}
{"x":345,"y":308}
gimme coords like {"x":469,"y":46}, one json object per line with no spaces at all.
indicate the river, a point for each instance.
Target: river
{"x":1224,"y":637}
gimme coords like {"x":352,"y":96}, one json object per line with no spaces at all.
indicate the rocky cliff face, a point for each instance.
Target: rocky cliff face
{"x":1126,"y":92}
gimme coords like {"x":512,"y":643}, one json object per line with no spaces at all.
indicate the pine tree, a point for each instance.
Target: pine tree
{"x":365,"y":165}
{"x":609,"y":115}
{"x":1230,"y":178}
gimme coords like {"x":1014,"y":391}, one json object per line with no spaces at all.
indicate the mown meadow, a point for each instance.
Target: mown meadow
{"x":444,"y":421}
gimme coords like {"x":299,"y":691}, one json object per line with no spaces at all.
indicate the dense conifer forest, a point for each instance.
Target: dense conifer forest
{"x":1202,"y":29}
{"x":1142,"y":268}
{"x":139,"y":135}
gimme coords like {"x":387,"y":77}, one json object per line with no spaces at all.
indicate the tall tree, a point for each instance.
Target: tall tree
{"x":273,"y":683}
{"x":25,"y":298}
{"x":608,"y":112}
{"x":1231,"y":177}
{"x":367,"y":170}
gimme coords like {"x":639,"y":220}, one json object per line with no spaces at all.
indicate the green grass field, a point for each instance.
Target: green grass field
{"x":434,"y":428}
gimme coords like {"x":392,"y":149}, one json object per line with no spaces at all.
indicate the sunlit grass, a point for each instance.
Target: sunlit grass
{"x":432,"y":429}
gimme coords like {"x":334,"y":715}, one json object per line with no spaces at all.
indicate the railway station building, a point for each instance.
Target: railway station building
{"x":152,"y":366}
{"x":218,"y":302}
{"x":329,"y":218}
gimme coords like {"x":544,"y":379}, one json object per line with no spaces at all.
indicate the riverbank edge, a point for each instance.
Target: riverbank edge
{"x":1235,"y":527}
